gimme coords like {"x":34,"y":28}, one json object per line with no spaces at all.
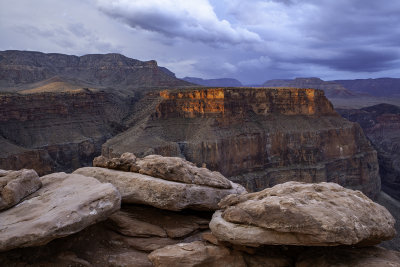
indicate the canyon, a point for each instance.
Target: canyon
{"x":255,"y":137}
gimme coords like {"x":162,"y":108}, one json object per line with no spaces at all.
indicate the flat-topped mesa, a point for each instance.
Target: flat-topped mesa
{"x":238,"y":102}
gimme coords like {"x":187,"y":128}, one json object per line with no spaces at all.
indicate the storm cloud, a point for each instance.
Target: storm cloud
{"x":252,"y":40}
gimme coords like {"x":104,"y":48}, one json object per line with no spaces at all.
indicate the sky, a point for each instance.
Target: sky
{"x":250,"y":40}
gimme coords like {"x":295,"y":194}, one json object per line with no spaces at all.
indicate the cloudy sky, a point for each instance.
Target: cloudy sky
{"x":251,"y":40}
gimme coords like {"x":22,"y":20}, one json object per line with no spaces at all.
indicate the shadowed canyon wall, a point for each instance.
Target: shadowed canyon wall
{"x":256,"y":137}
{"x":57,"y":131}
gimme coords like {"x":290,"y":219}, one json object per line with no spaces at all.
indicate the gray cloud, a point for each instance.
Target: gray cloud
{"x":253,"y":40}
{"x":193,"y":20}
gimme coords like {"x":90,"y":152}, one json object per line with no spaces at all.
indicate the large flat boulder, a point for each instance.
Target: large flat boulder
{"x":138,"y":188}
{"x":15,"y":185}
{"x":168,"y":168}
{"x":66,"y":204}
{"x":294,"y":213}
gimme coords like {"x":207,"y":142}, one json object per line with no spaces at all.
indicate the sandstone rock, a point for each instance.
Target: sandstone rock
{"x":15,"y":185}
{"x":142,"y":189}
{"x":66,"y":204}
{"x":347,"y":256}
{"x":196,"y":254}
{"x":124,"y":163}
{"x":129,"y":226}
{"x":293,"y":213}
{"x":167,"y":168}
{"x":179,"y":170}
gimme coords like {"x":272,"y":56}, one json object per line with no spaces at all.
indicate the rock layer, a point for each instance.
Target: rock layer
{"x":137,"y":188}
{"x":255,"y":137}
{"x":66,"y":204}
{"x":293,"y":213}
{"x":15,"y":185}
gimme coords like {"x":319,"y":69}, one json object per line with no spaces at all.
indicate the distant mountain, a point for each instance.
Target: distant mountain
{"x":331,"y":89}
{"x":222,"y":82}
{"x":21,"y":68}
{"x":376,"y":87}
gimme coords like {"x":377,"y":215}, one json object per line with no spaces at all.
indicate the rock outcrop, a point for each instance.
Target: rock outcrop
{"x":255,"y":137}
{"x":381,"y":124}
{"x":293,"y":213}
{"x":168,"y":168}
{"x":165,"y":194}
{"x":15,"y":185}
{"x":46,"y":228}
{"x":66,"y":204}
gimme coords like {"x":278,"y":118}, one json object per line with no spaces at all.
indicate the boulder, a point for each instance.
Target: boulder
{"x":138,"y":188}
{"x":167,"y":168}
{"x":66,"y":204}
{"x":15,"y":185}
{"x":294,"y":213}
{"x":197,"y":253}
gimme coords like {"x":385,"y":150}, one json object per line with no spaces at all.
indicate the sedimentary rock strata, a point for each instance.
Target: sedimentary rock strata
{"x":15,"y":185}
{"x":169,"y":195}
{"x":256,"y":137}
{"x":66,"y":204}
{"x":293,"y":213}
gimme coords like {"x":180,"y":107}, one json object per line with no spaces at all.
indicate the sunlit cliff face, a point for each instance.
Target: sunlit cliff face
{"x":223,"y":102}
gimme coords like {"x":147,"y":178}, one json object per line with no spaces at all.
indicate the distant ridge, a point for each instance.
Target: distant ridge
{"x":332,"y":89}
{"x":221,"y":82}
{"x":19,"y":69}
{"x":376,"y":87}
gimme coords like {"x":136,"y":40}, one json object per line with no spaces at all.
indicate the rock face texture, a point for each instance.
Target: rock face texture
{"x":169,"y":195}
{"x":293,"y":213}
{"x":381,"y":124}
{"x":255,"y":137}
{"x":66,"y":204}
{"x":15,"y":185}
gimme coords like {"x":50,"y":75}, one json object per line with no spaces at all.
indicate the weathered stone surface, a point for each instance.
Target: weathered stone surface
{"x":15,"y":185}
{"x":180,"y":170}
{"x":293,"y":213}
{"x":137,"y":188}
{"x":196,"y":254}
{"x":347,"y":256}
{"x":167,"y":168}
{"x":255,"y":137}
{"x":66,"y":204}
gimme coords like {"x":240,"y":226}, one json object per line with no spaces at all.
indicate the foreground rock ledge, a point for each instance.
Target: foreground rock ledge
{"x":168,"y":168}
{"x":15,"y":185}
{"x":66,"y":204}
{"x":137,"y":188}
{"x":293,"y":213}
